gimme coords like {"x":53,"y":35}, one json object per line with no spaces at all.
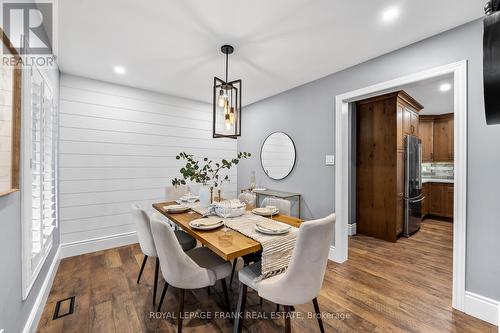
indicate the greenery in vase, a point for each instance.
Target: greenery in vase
{"x":206,"y":172}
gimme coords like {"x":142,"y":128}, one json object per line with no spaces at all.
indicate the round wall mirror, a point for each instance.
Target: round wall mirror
{"x":277,"y":155}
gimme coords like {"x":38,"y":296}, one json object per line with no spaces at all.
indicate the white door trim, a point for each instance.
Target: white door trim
{"x":459,"y":71}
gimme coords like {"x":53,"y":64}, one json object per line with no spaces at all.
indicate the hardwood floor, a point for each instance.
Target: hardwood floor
{"x":383,"y":287}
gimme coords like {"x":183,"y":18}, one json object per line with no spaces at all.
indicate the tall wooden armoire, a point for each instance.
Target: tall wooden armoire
{"x":382,"y":123}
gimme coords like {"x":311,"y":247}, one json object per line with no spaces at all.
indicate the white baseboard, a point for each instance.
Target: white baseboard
{"x":37,"y":310}
{"x":482,"y":307}
{"x":351,"y":229}
{"x":97,"y":244}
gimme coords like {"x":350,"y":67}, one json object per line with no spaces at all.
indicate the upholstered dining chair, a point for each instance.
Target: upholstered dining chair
{"x":249,"y":198}
{"x":285,"y":206}
{"x":301,"y":282}
{"x":197,"y":268}
{"x":146,"y":242}
{"x":176,"y":192}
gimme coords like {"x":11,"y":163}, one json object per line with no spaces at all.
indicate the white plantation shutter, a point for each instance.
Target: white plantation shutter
{"x":39,"y":199}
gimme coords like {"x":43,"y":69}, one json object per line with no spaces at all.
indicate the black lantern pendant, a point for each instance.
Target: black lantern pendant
{"x":227,"y":104}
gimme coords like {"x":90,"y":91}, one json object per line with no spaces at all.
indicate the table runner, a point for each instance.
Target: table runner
{"x":276,"y":249}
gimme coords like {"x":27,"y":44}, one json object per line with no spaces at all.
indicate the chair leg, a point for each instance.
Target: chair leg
{"x":226,"y":294}
{"x":318,"y":315}
{"x":165,"y":287}
{"x":288,"y":327}
{"x":240,"y":310}
{"x":235,"y":261}
{"x":181,"y":310}
{"x":155,"y":286}
{"x":142,"y":267}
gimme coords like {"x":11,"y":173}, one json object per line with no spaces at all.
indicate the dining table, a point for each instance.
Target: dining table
{"x":229,"y":244}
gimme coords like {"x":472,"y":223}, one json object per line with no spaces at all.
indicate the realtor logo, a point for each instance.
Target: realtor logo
{"x":29,"y":23}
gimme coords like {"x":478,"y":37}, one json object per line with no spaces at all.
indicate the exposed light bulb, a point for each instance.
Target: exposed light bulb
{"x":222,"y":98}
{"x":227,"y":121}
{"x":232,"y":116}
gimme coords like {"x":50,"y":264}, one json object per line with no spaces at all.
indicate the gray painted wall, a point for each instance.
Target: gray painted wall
{"x":13,"y":311}
{"x":306,"y":113}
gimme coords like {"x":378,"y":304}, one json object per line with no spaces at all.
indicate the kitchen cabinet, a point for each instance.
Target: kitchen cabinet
{"x":438,"y":200}
{"x":382,"y":123}
{"x":425,"y":202}
{"x":436,"y":133}
{"x":426,"y":134}
{"x":448,"y":211}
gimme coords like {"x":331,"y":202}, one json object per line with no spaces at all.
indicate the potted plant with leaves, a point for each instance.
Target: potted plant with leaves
{"x":206,"y":172}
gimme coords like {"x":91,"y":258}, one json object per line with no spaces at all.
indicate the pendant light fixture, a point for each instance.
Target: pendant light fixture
{"x":227,"y":103}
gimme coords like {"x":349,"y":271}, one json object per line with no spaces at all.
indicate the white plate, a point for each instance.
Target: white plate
{"x":192,"y":224}
{"x":186,"y":198}
{"x":271,"y":232}
{"x":174,"y":209}
{"x":265,"y":212}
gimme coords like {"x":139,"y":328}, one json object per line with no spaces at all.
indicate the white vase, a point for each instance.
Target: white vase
{"x":205,"y":196}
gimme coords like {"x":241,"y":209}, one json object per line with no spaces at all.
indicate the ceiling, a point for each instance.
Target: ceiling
{"x":173,"y":46}
{"x":428,"y":93}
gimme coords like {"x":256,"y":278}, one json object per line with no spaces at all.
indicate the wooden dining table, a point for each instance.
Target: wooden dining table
{"x":228,"y":244}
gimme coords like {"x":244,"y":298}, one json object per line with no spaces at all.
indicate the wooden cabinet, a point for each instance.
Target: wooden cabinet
{"x":426,"y":201}
{"x":381,"y":125}
{"x":436,"y":133}
{"x":426,"y":134}
{"x":436,"y":196}
{"x":439,"y":200}
{"x":448,"y":211}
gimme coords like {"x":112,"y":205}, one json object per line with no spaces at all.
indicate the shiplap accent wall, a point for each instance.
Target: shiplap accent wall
{"x":118,"y":146}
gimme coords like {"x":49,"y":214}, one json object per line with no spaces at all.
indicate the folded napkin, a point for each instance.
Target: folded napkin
{"x":272,"y":226}
{"x":206,"y":222}
{"x":233,"y":203}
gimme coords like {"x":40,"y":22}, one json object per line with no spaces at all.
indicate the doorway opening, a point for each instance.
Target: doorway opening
{"x":456,"y":76}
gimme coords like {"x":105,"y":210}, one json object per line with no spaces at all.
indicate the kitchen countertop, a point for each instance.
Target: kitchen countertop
{"x":437,"y":180}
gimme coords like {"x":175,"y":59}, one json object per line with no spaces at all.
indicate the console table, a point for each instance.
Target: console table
{"x":275,"y":194}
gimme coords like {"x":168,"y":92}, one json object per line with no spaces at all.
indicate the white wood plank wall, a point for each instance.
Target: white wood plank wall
{"x":118,"y":147}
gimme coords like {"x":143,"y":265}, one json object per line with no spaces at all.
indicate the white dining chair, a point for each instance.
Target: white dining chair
{"x":249,"y":198}
{"x":176,"y":192}
{"x":146,"y":242}
{"x":194,"y":269}
{"x":301,"y":282}
{"x":285,"y":206}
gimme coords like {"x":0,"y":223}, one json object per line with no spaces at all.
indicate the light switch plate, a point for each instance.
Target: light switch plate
{"x":330,"y":160}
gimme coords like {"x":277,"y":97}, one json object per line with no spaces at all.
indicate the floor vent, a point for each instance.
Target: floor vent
{"x":64,"y":307}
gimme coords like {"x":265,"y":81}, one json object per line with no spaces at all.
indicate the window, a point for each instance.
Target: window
{"x":39,"y":173}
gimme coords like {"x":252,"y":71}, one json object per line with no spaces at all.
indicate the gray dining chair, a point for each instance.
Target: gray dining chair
{"x":146,"y":242}
{"x":194,"y":269}
{"x":303,"y":279}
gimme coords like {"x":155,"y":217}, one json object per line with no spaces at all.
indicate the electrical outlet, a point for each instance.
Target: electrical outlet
{"x":330,"y":160}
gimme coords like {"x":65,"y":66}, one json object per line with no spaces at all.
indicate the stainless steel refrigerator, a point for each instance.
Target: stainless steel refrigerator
{"x":413,"y":185}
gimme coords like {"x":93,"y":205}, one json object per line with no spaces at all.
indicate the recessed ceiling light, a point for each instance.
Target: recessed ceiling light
{"x":390,"y":14}
{"x":119,"y":70}
{"x":445,"y":87}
